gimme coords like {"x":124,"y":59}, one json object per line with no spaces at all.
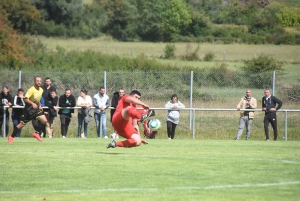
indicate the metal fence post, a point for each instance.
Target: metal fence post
{"x":100,"y":124}
{"x":193,"y":130}
{"x":20,"y":79}
{"x":191,"y":97}
{"x":273,"y":83}
{"x":285,"y":125}
{"x":104,"y":78}
{"x":4,"y":122}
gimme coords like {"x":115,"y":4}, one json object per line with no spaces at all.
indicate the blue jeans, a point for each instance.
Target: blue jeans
{"x":85,"y":125}
{"x":98,"y":118}
{"x":16,"y":120}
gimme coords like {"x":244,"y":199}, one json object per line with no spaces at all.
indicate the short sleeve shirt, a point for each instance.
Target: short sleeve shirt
{"x":34,"y":94}
{"x":123,"y":104}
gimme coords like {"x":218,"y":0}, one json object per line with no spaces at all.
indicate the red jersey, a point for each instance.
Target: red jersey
{"x":123,"y":104}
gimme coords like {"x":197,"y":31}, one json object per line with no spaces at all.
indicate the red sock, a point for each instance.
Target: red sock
{"x":134,"y":113}
{"x":126,"y":143}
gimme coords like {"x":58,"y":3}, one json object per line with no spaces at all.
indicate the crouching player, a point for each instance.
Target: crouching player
{"x":32,"y":110}
{"x":123,"y":120}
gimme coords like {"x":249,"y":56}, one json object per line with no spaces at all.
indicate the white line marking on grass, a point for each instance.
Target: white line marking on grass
{"x":164,"y":188}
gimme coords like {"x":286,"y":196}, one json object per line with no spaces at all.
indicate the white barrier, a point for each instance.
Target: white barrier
{"x":192,"y":110}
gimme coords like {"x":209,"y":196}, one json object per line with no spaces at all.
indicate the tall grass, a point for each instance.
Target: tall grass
{"x":228,"y":52}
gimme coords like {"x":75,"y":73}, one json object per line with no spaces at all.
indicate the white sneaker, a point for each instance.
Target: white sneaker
{"x":105,"y":136}
{"x":64,"y":136}
{"x":50,"y":136}
{"x":113,"y":135}
{"x":169,"y":138}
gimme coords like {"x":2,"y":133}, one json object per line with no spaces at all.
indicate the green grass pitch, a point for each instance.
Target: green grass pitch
{"x":182,"y":169}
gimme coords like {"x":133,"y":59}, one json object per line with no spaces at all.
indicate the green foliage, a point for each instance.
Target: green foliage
{"x":261,"y":64}
{"x":259,"y":68}
{"x":191,"y":56}
{"x":12,"y":44}
{"x":170,"y":51}
{"x":289,"y":16}
{"x":176,"y":17}
{"x":21,"y":14}
{"x":209,"y":56}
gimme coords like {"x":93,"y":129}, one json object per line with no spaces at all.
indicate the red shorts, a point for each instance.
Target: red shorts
{"x":122,"y":126}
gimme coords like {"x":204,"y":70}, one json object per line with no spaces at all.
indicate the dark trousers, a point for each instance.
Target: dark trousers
{"x":270,"y":118}
{"x":6,"y":126}
{"x":171,"y":129}
{"x":65,"y":121}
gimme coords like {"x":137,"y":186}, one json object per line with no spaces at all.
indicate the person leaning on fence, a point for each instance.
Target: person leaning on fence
{"x":17,"y":112}
{"x":269,"y":106}
{"x":84,"y":114}
{"x":51,"y":102}
{"x":6,"y":100}
{"x":47,"y":87}
{"x":246,"y":117}
{"x":32,"y":110}
{"x":101,"y":103}
{"x":172,"y":118}
{"x":66,"y":100}
{"x":114,"y":103}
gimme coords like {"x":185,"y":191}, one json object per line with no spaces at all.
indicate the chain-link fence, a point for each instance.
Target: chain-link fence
{"x":201,"y":89}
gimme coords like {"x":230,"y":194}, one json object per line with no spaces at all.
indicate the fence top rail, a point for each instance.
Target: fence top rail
{"x":189,"y":109}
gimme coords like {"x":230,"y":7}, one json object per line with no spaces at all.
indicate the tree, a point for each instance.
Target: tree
{"x":21,"y":14}
{"x":120,"y":14}
{"x":176,"y":17}
{"x":11,"y":44}
{"x":149,"y":20}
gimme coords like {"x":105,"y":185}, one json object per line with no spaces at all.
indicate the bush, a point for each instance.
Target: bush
{"x":259,"y":68}
{"x":209,"y":56}
{"x":170,"y":51}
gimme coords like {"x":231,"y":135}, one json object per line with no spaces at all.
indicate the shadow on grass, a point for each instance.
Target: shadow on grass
{"x":104,"y":153}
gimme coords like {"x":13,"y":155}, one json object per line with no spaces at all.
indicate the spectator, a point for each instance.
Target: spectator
{"x":32,"y":110}
{"x":6,"y":100}
{"x":84,"y":114}
{"x":17,"y":112}
{"x":172,"y":118}
{"x":101,"y":103}
{"x":66,"y":100}
{"x":269,"y":106}
{"x":47,"y":87}
{"x":51,"y":103}
{"x":114,"y":103}
{"x":246,"y":117}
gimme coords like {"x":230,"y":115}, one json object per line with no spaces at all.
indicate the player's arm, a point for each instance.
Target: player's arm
{"x":136,"y":126}
{"x":34,"y":105}
{"x":136,"y":101}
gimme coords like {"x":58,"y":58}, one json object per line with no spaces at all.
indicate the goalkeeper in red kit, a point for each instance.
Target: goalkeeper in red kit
{"x":124,"y":120}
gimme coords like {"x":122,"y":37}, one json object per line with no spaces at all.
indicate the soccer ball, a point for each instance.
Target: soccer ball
{"x":154,"y":124}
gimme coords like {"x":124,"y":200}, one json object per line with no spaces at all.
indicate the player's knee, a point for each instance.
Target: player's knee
{"x":138,"y":142}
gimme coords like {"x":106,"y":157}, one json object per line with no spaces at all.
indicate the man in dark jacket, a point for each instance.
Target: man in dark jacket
{"x":5,"y":100}
{"x":66,"y":100}
{"x":47,"y":87}
{"x":51,"y":103}
{"x":114,"y":103}
{"x":269,"y":106}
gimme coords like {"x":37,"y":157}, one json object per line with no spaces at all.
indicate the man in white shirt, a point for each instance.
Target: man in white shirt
{"x":101,"y":103}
